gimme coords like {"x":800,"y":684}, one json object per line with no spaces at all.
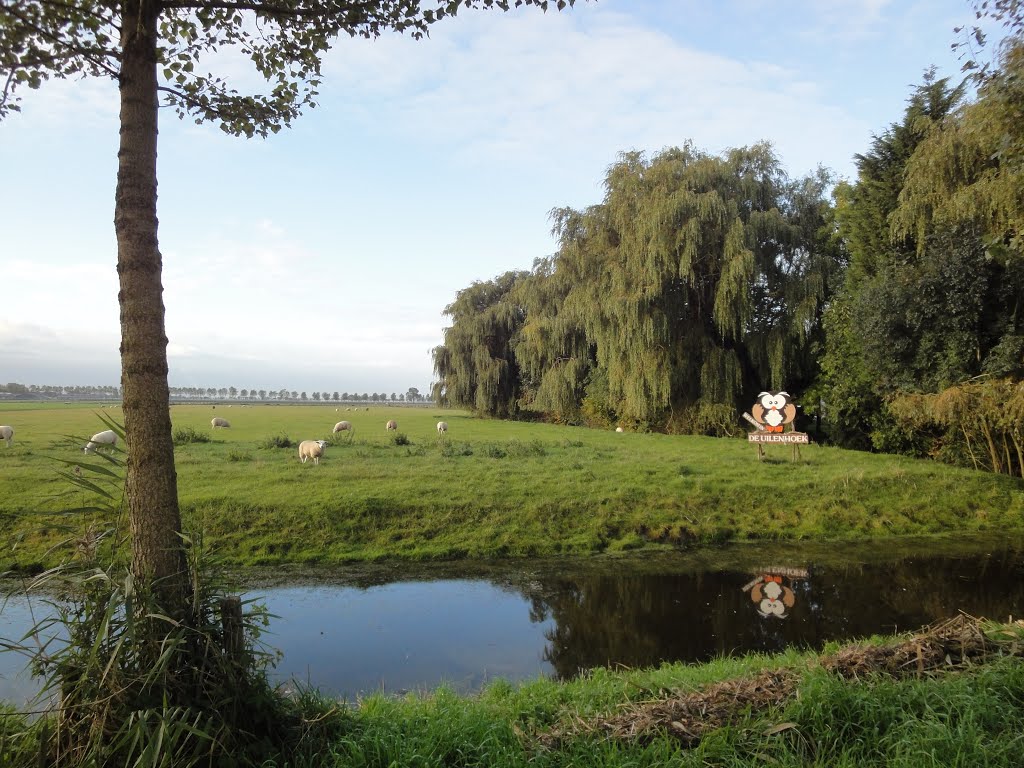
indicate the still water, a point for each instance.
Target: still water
{"x":399,"y":628}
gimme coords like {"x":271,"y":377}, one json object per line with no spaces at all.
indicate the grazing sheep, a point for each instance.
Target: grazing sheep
{"x":343,"y":426}
{"x":619,"y":429}
{"x":106,"y":437}
{"x":392,"y":425}
{"x":311,"y":449}
{"x":219,"y":422}
{"x":442,"y":427}
{"x":7,"y":435}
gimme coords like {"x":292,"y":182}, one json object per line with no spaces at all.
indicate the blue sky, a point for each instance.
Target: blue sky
{"x":322,"y":258}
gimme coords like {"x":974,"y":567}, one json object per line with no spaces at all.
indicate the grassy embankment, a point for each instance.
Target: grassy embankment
{"x":490,"y":488}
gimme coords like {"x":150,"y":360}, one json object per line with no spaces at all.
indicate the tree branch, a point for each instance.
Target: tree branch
{"x":71,"y":49}
{"x":356,"y":14}
{"x":78,"y":9}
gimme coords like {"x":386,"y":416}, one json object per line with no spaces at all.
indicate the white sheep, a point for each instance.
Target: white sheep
{"x":619,"y":429}
{"x":219,"y":422}
{"x":391,"y":425}
{"x":442,"y":427}
{"x":7,"y":435}
{"x":312,"y":449}
{"x":343,"y":426}
{"x":106,"y":437}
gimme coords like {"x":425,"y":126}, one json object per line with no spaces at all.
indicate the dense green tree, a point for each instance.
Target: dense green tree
{"x":870,"y":322}
{"x":697,"y":280}
{"x":934,"y":290}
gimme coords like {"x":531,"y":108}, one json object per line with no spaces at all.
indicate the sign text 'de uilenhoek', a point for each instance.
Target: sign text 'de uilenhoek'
{"x":786,"y":438}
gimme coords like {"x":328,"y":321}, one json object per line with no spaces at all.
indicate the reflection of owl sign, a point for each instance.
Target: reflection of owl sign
{"x":773,"y":410}
{"x":771,"y":596}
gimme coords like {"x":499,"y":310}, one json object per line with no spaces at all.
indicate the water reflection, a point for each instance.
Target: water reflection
{"x":395,"y":628}
{"x":640,"y":620}
{"x":771,"y":593}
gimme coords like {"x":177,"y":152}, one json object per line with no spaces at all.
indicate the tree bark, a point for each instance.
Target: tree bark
{"x":151,"y":490}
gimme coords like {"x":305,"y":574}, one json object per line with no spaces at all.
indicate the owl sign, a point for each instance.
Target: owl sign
{"x":770,"y":414}
{"x":773,"y":411}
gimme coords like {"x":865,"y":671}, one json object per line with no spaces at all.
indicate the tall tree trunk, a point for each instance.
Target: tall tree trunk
{"x":158,"y":559}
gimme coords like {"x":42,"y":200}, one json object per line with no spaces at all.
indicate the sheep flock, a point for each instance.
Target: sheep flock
{"x":107,"y":439}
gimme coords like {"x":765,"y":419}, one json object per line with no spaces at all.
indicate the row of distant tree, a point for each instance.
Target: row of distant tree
{"x":891,"y":306}
{"x":412,"y":395}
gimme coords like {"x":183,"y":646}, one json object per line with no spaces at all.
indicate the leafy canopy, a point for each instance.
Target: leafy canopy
{"x":283,"y":39}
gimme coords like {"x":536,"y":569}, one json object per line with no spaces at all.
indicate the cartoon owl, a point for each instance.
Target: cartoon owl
{"x":773,"y":410}
{"x":772,"y":597}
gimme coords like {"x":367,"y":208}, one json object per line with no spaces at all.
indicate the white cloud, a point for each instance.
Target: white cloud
{"x":552,"y":91}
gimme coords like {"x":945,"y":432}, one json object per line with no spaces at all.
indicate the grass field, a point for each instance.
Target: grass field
{"x":489,"y":488}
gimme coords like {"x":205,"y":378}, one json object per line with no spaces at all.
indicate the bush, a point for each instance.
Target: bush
{"x":449,"y":449}
{"x":519,"y":449}
{"x":185,"y":435}
{"x":341,"y":438}
{"x":400,"y":439}
{"x":493,"y":451}
{"x":709,"y":419}
{"x":276,"y":441}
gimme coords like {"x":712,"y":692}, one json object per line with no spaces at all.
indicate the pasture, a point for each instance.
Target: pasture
{"x":488,"y":488}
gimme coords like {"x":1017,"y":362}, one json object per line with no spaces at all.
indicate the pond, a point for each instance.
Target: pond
{"x":397,"y":628}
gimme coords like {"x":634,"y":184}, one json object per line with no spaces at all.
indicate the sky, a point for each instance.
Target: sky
{"x":323,"y":258}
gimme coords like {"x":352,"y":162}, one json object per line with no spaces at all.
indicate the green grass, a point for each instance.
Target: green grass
{"x":489,"y":488}
{"x":967,"y":715}
{"x":966,"y":719}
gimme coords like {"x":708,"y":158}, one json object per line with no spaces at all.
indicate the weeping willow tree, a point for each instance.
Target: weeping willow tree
{"x":554,"y":355}
{"x":698,"y":279}
{"x":970,"y":168}
{"x":476,"y":367}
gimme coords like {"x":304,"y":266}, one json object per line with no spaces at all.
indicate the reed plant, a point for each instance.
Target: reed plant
{"x":113,"y":693}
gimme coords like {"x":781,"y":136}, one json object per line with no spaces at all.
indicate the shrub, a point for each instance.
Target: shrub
{"x":519,"y":449}
{"x":976,"y":424}
{"x":400,"y":439}
{"x":340,"y":438}
{"x":449,"y":448}
{"x":494,"y":451}
{"x":276,"y":441}
{"x":185,"y":435}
